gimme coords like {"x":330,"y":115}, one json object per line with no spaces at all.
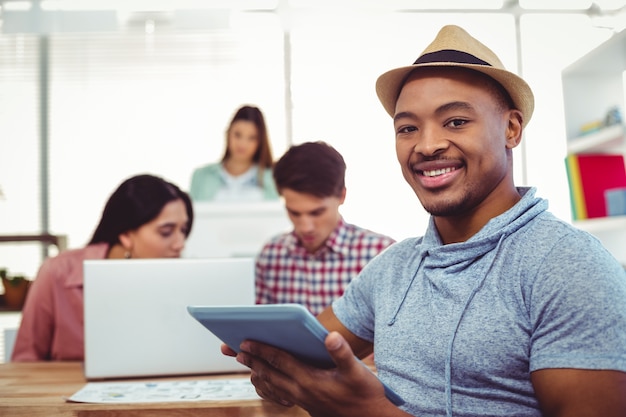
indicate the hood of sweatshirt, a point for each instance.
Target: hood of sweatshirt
{"x":446,"y":262}
{"x":458,"y":255}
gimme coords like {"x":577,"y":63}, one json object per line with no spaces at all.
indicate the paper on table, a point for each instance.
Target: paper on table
{"x":168,"y":391}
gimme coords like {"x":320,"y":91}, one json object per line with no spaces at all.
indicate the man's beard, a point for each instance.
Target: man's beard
{"x":449,"y":207}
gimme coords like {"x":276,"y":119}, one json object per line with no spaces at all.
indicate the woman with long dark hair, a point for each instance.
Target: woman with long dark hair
{"x":145,"y":217}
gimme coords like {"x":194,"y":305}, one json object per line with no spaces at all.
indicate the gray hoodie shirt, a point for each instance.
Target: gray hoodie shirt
{"x":458,"y":328}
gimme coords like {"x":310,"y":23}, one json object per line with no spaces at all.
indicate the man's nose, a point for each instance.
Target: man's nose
{"x":306,"y":224}
{"x":430,"y":141}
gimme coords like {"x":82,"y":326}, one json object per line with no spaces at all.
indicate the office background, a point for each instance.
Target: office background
{"x":128,"y":87}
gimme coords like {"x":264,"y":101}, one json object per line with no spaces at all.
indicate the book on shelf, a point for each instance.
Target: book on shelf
{"x":590,"y":176}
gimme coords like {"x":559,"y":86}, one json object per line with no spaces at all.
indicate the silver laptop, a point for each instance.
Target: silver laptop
{"x":136,"y":319}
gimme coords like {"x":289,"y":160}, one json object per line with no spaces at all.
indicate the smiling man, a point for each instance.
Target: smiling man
{"x":314,"y":263}
{"x":500,"y":308}
{"x":451,"y":147}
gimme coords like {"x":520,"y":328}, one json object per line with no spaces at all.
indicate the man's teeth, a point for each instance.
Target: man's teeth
{"x":435,"y":172}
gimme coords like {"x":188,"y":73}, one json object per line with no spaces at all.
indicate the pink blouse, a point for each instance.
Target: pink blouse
{"x":52,"y":317}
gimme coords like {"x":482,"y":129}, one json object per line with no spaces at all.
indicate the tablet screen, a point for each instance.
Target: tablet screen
{"x":290,"y":327}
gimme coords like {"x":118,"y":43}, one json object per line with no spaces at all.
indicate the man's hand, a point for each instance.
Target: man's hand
{"x":227,"y":351}
{"x":350,"y":389}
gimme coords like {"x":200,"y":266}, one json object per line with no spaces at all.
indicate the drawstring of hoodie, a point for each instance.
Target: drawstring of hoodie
{"x":406,"y":292}
{"x":448,"y":366}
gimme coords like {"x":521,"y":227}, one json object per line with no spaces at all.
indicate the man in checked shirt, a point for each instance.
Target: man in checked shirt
{"x":313,"y":264}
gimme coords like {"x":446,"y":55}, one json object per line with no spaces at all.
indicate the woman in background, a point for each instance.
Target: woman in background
{"x":245,"y":171}
{"x":145,"y":217}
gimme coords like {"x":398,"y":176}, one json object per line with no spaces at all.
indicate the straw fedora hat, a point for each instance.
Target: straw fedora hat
{"x":454,"y":47}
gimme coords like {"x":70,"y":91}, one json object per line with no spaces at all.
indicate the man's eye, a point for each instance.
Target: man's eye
{"x":406,"y":129}
{"x":456,"y":123}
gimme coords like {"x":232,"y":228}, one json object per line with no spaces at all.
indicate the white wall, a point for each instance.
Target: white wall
{"x":127,"y":102}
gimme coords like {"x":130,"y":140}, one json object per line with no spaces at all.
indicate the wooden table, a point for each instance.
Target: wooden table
{"x":40,"y":388}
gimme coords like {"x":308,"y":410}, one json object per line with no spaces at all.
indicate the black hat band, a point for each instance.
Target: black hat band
{"x":450,"y":55}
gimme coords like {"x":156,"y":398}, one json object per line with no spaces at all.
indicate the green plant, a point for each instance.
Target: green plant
{"x":15,"y":280}
{"x":15,"y":289}
{"x":12,"y":280}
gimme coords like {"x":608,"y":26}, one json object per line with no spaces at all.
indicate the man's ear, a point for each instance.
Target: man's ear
{"x":514,"y":129}
{"x":342,"y":198}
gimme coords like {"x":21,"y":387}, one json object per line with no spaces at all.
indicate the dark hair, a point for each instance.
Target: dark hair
{"x":263,"y":154}
{"x":314,"y":168}
{"x":137,"y":201}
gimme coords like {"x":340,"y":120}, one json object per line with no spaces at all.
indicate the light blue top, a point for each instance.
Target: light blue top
{"x":211,"y":183}
{"x":458,"y":328}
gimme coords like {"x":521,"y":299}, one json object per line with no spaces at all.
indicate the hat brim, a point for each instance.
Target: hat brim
{"x":390,"y":83}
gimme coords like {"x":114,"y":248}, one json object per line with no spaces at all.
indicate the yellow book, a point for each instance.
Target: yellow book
{"x":577,"y":199}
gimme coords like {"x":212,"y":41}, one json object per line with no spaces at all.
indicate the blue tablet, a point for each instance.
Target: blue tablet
{"x":289,"y":327}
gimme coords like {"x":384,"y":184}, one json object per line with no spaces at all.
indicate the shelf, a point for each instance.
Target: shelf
{"x":593,"y":86}
{"x":600,"y":141}
{"x":602,"y":224}
{"x":60,"y":241}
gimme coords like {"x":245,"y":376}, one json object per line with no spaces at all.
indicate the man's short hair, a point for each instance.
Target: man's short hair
{"x":314,"y":168}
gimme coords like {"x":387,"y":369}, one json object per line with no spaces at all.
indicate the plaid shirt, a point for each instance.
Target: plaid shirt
{"x":287,"y":273}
